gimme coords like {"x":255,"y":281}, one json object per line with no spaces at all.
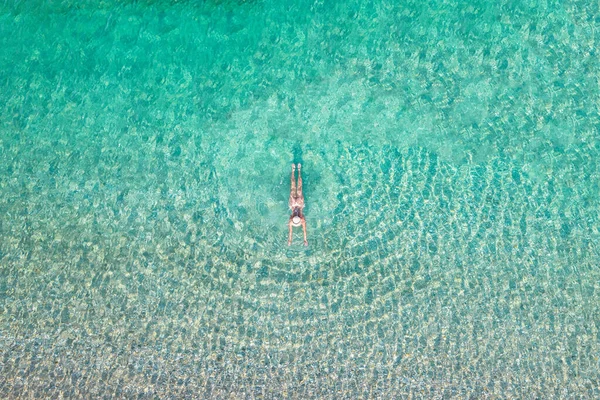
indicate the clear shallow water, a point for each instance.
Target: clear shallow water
{"x":451,"y":170}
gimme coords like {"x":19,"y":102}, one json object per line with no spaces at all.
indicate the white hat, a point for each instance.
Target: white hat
{"x":296,"y":219}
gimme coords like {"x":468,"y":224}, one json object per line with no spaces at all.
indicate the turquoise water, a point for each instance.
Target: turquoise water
{"x":451,"y":167}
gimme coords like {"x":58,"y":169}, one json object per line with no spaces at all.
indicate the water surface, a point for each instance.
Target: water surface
{"x":451,"y":161}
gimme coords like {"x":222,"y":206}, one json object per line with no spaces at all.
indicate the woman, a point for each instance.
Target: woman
{"x":296,"y":204}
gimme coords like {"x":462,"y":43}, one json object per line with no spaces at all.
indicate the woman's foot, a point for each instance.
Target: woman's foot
{"x":293,"y":167}
{"x":299,"y":166}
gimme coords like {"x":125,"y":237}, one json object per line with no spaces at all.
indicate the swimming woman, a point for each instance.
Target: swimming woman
{"x":296,"y":204}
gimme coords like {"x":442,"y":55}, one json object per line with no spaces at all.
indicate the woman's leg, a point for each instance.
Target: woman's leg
{"x":299,"y":190}
{"x":292,"y":186}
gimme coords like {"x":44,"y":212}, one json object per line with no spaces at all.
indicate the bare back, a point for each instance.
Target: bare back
{"x":296,"y":202}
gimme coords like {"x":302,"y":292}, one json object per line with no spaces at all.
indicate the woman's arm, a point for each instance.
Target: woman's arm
{"x":290,"y":232}
{"x":304,"y":229}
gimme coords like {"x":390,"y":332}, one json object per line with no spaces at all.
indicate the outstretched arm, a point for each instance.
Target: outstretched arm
{"x":304,"y":229}
{"x":290,"y":232}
